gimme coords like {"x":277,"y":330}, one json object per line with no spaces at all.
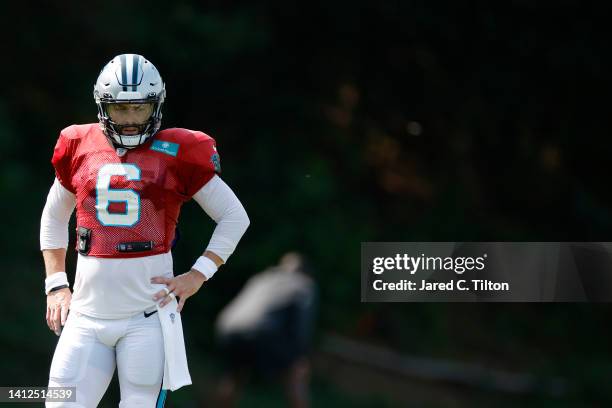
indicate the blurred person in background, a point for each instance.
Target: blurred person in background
{"x":266,"y":331}
{"x":128,"y":181}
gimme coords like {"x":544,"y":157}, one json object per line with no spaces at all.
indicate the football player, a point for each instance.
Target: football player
{"x":128,"y":180}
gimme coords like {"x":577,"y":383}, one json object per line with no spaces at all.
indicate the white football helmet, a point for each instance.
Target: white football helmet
{"x":129,"y":78}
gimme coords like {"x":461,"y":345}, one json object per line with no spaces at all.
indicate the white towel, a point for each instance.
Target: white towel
{"x":176,"y":372}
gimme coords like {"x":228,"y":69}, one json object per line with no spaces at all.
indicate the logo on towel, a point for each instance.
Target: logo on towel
{"x":172,"y":317}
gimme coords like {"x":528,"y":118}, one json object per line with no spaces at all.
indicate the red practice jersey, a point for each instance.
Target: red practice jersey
{"x":133,"y":200}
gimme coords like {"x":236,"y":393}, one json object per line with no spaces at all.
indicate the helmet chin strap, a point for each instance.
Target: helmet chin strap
{"x":136,"y":139}
{"x":121,"y":140}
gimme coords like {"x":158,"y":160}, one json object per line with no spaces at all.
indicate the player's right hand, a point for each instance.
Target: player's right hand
{"x":58,"y":303}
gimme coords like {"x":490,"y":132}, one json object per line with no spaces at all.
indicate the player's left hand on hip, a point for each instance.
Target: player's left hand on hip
{"x":181,"y":287}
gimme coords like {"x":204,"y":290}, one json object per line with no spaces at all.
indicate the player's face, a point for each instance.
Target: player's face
{"x":130,"y":114}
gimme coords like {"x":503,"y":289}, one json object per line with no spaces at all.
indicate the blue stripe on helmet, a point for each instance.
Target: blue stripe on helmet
{"x":135,"y":72}
{"x":123,"y":72}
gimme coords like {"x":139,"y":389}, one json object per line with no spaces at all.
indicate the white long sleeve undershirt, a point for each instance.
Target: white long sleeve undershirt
{"x":221,"y":204}
{"x":55,"y":217}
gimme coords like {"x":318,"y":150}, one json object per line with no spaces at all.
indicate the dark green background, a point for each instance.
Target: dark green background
{"x":337,"y":123}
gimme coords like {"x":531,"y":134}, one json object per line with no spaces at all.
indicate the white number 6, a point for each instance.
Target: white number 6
{"x":106,"y":195}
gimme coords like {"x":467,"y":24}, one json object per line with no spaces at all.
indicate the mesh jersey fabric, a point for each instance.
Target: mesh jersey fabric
{"x":136,"y":197}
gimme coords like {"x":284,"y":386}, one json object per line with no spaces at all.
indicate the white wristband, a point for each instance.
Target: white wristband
{"x":54,"y":280}
{"x":205,"y":266}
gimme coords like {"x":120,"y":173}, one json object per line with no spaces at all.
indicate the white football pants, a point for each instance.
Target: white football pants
{"x":88,"y":350}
